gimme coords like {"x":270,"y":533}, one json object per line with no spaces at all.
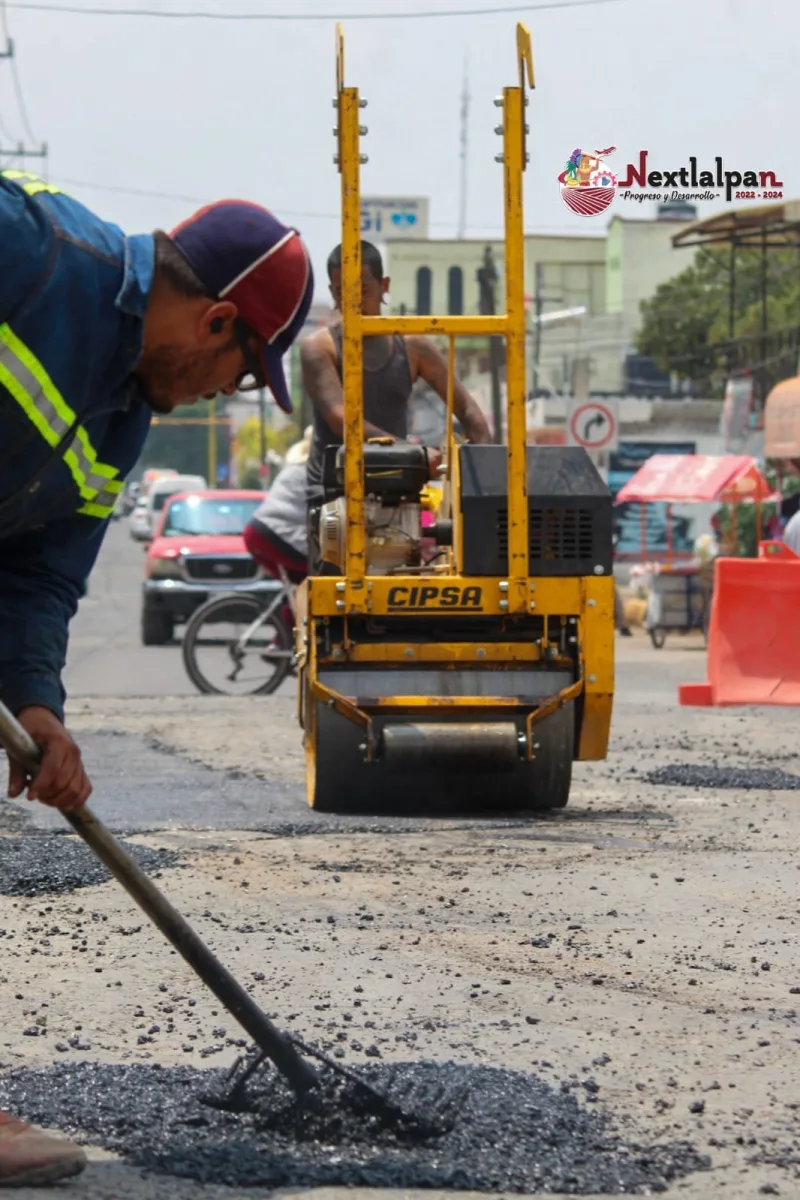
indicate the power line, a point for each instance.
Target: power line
{"x":172,"y":14}
{"x":23,"y":112}
{"x":180,"y":198}
{"x":4,"y":128}
{"x":129,"y":191}
{"x":7,"y":53}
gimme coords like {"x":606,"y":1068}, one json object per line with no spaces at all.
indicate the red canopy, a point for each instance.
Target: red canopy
{"x":683,"y":478}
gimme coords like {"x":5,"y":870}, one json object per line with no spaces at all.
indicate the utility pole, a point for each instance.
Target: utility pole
{"x":20,"y":152}
{"x":540,"y":299}
{"x":462,"y":206}
{"x":487,"y":283}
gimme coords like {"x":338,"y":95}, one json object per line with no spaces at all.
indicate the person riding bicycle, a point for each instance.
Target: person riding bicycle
{"x":276,"y":534}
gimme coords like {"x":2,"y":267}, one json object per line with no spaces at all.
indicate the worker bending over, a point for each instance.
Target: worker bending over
{"x":97,"y":332}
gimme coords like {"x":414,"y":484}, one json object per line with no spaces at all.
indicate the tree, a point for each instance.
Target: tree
{"x":676,"y":324}
{"x":745,"y":521}
{"x":247,"y":445}
{"x":687,"y":322}
{"x":178,"y":441}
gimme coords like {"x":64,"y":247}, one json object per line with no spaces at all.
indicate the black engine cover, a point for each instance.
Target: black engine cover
{"x":569,"y":512}
{"x":394,"y":472}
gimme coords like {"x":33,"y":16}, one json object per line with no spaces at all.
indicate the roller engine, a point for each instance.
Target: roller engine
{"x":396,"y":493}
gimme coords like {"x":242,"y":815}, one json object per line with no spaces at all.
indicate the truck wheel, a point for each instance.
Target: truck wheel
{"x":157,"y":628}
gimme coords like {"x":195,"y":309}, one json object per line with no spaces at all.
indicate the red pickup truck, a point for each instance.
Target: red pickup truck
{"x":197,"y":550}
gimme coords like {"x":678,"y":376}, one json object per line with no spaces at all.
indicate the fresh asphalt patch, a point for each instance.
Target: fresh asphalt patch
{"x":499,"y":1130}
{"x":730,"y":778}
{"x":53,"y":864}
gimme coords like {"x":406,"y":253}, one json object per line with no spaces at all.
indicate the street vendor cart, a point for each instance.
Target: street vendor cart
{"x":678,"y":599}
{"x":680,"y":589}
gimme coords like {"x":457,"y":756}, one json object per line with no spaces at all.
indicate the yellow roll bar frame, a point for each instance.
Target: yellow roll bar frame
{"x":511,"y":326}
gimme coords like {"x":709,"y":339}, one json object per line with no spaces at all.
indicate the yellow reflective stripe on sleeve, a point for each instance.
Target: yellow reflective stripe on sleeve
{"x":73,"y":462}
{"x":34,"y":186}
{"x":28,"y":383}
{"x":30,"y":373}
{"x":96,"y":510}
{"x":96,"y":476}
{"x":27,"y":404}
{"x":33,"y":189}
{"x":104,"y":502}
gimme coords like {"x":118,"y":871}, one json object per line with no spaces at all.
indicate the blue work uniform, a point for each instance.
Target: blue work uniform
{"x":74,"y":292}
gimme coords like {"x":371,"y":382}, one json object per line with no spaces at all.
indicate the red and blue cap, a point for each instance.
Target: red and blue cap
{"x":242,"y":253}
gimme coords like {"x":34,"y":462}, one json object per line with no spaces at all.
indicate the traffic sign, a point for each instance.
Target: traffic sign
{"x":593,"y":424}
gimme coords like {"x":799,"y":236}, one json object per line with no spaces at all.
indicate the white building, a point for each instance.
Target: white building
{"x":607,"y":274}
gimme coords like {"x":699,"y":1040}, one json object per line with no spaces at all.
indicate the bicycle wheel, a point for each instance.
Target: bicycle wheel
{"x":227,"y":651}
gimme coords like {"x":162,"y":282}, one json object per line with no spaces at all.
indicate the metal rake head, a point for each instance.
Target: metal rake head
{"x":405,"y":1104}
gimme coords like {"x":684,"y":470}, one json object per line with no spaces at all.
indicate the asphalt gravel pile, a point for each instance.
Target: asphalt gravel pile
{"x":745,"y":779}
{"x":53,"y":864}
{"x":505,"y":1131}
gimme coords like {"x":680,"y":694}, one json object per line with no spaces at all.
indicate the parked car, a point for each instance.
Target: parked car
{"x":130,"y":495}
{"x":157,"y":496}
{"x":140,"y":520}
{"x":198,"y":549}
{"x":152,"y":474}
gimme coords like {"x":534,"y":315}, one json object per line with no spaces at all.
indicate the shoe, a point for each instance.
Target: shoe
{"x":31,"y":1156}
{"x":625,"y":632}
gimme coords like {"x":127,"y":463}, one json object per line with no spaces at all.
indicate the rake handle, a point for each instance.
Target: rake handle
{"x":20,"y":746}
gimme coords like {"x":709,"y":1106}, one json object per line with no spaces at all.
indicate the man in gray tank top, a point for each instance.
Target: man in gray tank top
{"x":392,"y":365}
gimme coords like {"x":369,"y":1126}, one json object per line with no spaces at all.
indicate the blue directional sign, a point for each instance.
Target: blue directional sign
{"x":387,"y":218}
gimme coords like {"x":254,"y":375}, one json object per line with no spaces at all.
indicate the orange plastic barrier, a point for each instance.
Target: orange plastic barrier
{"x":754,"y":633}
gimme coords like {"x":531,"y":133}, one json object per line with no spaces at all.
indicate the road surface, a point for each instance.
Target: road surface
{"x":643,"y":940}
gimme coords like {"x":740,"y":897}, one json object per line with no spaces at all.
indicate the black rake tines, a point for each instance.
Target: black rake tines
{"x":396,"y":1101}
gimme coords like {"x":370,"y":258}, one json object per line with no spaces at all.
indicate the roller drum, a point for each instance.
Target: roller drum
{"x":427,"y":767}
{"x":485,"y":746}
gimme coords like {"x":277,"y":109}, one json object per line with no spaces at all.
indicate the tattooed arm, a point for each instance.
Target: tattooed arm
{"x":321,"y":382}
{"x":427,"y":361}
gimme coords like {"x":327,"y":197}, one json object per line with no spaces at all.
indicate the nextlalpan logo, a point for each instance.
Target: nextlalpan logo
{"x":588,"y":185}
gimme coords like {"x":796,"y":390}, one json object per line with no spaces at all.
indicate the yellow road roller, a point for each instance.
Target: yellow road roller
{"x":470,"y":661}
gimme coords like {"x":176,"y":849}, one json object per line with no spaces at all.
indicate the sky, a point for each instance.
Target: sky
{"x":201,"y":110}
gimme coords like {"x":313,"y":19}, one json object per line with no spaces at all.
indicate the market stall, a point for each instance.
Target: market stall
{"x":679,"y":591}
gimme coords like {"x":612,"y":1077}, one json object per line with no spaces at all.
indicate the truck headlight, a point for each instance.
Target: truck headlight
{"x":165,"y":568}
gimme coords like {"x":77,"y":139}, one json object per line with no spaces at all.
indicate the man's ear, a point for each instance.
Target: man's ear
{"x":386,"y":287}
{"x":217,"y":321}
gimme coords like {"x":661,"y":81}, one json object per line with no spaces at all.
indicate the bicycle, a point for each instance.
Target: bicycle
{"x":265,"y":642}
